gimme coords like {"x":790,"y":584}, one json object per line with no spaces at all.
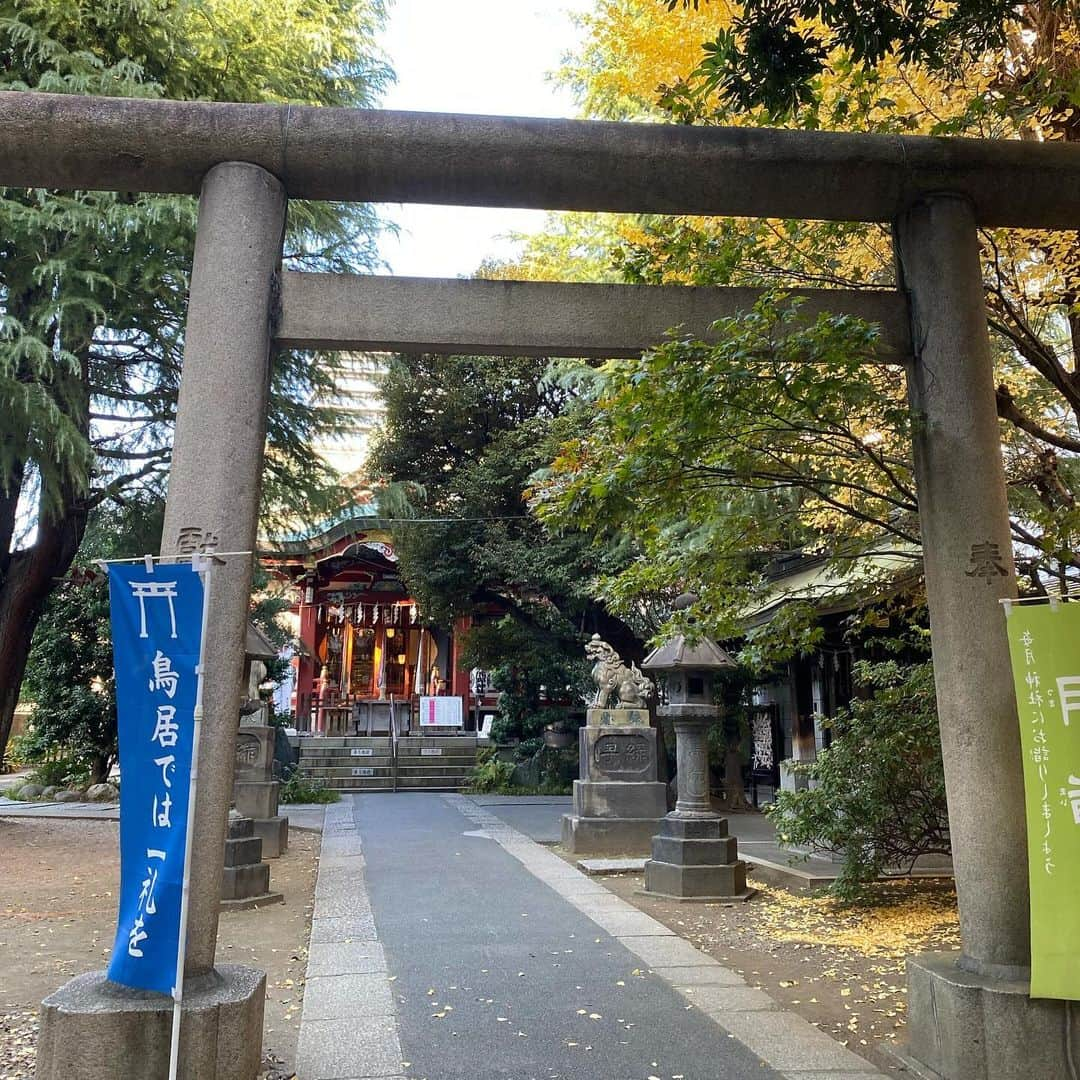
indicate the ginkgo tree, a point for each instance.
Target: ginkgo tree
{"x":747,"y":448}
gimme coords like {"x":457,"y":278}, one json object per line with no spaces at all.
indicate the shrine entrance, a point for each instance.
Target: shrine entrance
{"x":969,"y":1017}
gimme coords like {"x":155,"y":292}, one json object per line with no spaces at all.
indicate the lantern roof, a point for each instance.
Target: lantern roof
{"x":678,"y":654}
{"x":258,"y":646}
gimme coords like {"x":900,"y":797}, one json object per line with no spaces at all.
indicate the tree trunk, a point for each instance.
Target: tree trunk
{"x":28,"y":580}
{"x":99,"y":769}
{"x":28,"y":576}
{"x":734,"y":792}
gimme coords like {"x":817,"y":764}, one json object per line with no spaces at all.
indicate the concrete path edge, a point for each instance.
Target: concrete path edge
{"x":788,"y":1043}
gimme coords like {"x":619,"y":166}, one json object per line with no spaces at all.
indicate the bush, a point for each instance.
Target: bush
{"x":69,"y":771}
{"x":879,"y":799}
{"x":306,"y":789}
{"x":529,"y":747}
{"x":489,"y":776}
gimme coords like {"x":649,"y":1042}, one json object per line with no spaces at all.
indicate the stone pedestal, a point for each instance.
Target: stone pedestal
{"x":245,"y":878}
{"x":255,"y":791}
{"x":94,"y":1029}
{"x":693,"y":857}
{"x":966,"y":1026}
{"x":274,"y":834}
{"x":696,"y":859}
{"x":618,"y":802}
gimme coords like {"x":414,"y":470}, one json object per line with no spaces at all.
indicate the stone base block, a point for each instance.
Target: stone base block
{"x":607,"y":836}
{"x":250,"y":902}
{"x":617,"y":753}
{"x":616,"y":716}
{"x":255,"y":752}
{"x":274,"y":834}
{"x":256,"y":799}
{"x":619,"y":799}
{"x":93,"y":1029}
{"x":963,"y":1026}
{"x":243,"y":852}
{"x":240,"y":828}
{"x":722,"y":851}
{"x":240,"y":882}
{"x":712,"y":827}
{"x":696,"y":882}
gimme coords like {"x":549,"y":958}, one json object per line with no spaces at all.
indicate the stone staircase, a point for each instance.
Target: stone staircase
{"x":368,"y":763}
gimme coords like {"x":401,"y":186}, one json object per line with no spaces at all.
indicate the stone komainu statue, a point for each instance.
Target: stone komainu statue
{"x":613,"y":677}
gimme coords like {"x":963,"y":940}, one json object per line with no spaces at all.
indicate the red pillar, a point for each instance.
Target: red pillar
{"x":306,"y":673}
{"x":459,"y":677}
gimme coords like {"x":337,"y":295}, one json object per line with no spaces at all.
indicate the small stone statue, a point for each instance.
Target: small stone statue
{"x":614,"y":678}
{"x":256,"y":677}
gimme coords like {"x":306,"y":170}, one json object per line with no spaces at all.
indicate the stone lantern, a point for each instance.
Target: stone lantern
{"x":693,"y":857}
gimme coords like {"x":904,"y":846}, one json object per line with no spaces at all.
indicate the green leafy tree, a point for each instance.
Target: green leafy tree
{"x":537,"y":685}
{"x":879,"y":795}
{"x":773,"y":51}
{"x":69,"y":673}
{"x":462,"y":439}
{"x":69,"y":676}
{"x":791,"y":439}
{"x":93,"y":285}
{"x":793,"y":458}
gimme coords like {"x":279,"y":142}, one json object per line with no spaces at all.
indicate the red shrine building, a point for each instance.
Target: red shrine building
{"x":367,"y":656}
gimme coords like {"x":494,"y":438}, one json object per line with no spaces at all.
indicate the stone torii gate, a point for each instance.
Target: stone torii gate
{"x":969,"y":1017}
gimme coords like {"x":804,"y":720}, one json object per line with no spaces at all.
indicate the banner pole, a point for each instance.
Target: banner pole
{"x":204,"y":567}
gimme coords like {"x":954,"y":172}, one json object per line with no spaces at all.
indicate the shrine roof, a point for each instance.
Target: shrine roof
{"x":833,"y":586}
{"x":323,"y":536}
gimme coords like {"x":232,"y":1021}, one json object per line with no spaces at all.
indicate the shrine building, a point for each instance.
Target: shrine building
{"x":366,"y":653}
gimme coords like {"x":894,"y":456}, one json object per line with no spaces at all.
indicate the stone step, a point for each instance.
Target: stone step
{"x":330,"y":774}
{"x":379,"y":742}
{"x":413,"y":783}
{"x":341,"y":760}
{"x":436,"y":759}
{"x":385,"y":740}
{"x":352,"y":784}
{"x":466,"y":742}
{"x":337,"y":774}
{"x":450,"y":768}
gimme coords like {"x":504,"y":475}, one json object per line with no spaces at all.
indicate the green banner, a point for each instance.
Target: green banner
{"x":1044,"y":642}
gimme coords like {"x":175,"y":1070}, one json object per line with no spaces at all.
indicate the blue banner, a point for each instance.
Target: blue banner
{"x":156,"y":630}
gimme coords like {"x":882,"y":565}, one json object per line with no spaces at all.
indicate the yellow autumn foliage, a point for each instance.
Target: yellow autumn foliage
{"x":905,"y":918}
{"x":633,"y":49}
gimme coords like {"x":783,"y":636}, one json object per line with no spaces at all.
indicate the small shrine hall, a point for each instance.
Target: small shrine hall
{"x":366,"y":654}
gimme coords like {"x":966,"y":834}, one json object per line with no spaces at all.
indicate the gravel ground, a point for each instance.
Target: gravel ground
{"x":57,"y":919}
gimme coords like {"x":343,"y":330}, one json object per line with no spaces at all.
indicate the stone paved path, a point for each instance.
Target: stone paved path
{"x":447,"y":945}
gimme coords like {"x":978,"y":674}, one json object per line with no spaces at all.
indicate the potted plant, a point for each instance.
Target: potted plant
{"x":560,"y":735}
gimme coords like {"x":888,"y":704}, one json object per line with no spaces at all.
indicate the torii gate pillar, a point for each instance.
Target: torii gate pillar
{"x":969,"y":1016}
{"x":91,"y":1028}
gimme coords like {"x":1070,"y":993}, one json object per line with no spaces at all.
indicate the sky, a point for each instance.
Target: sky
{"x":471,"y":56}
